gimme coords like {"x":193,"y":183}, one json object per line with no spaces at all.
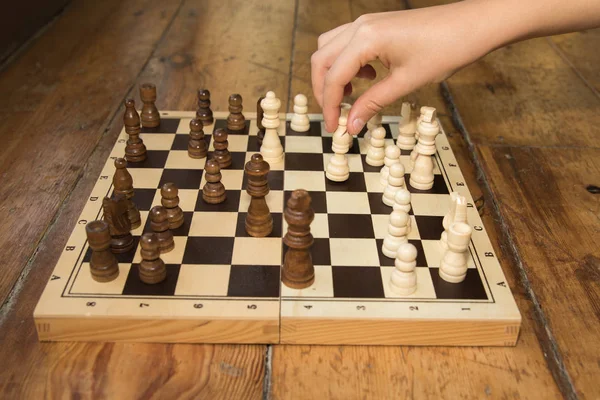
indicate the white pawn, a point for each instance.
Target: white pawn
{"x":402,"y":200}
{"x":404,"y":278}
{"x":398,"y":230}
{"x":453,"y":267}
{"x":337,"y":169}
{"x":373,"y":123}
{"x":392,"y":156}
{"x":457,"y":213}
{"x":300,"y":121}
{"x":395,"y":182}
{"x":407,"y":128}
{"x":375,"y":152}
{"x":271,"y":148}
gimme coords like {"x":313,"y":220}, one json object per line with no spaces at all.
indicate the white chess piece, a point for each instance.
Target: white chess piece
{"x":373,"y":123}
{"x":407,"y":128}
{"x":398,"y":230}
{"x":402,"y":200}
{"x":453,"y":267}
{"x":421,"y":176}
{"x":457,"y":213}
{"x":404,"y":278}
{"x":271,"y":148}
{"x":375,"y":152}
{"x":395,"y":182}
{"x":345,"y":109}
{"x":392,"y":156}
{"x":415,"y":151}
{"x":300,"y":121}
{"x":337,"y":169}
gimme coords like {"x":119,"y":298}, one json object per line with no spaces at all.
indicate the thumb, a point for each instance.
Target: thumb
{"x":374,"y":99}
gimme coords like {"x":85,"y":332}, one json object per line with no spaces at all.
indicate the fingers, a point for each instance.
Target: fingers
{"x":326,"y":37}
{"x":371,"y":102}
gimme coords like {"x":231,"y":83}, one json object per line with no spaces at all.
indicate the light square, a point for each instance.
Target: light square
{"x":86,"y":284}
{"x":238,"y":143}
{"x":414,"y":229}
{"x":253,"y":128}
{"x":394,"y":130}
{"x":175,"y":256}
{"x":307,"y":180}
{"x":380,"y":225}
{"x":187,"y":199}
{"x":230,"y":178}
{"x":146,"y":178}
{"x":319,"y":227}
{"x":372,"y":182}
{"x":303,"y":144}
{"x":273,"y":166}
{"x":256,"y":251}
{"x":348,"y":203}
{"x":214,"y":224}
{"x":353,"y":252}
{"x":324,"y":132}
{"x":434,"y":253}
{"x":425,"y":289}
{"x":179,"y":159}
{"x":321,"y":287}
{"x":203,"y":280}
{"x":184,"y":126}
{"x":139,"y":231}
{"x":354,"y":161}
{"x":430,"y":204}
{"x":158,"y":141}
{"x":274,"y":201}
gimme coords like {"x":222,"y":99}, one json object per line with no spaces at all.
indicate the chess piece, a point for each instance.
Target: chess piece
{"x":398,"y":230}
{"x":345,"y":110}
{"x":421,"y":176}
{"x":235,"y":121}
{"x":457,"y":213}
{"x":150,"y":115}
{"x":402,"y":200}
{"x":404,"y":278}
{"x":123,"y":184}
{"x":300,"y":121}
{"x":392,"y":156}
{"x":395,"y":182}
{"x":213,"y":191}
{"x":407,"y":128}
{"x":135,"y":150}
{"x":152,"y":269}
{"x":116,"y":216}
{"x":103,"y":264}
{"x":259,"y":222}
{"x":197,"y":147}
{"x":415,"y":151}
{"x":375,"y":152}
{"x":298,"y":270}
{"x":170,"y":201}
{"x":159,"y":222}
{"x":259,"y":117}
{"x":453,"y":267}
{"x":372,"y":124}
{"x":221,"y":153}
{"x":204,"y":113}
{"x":271,"y":148}
{"x":337,"y":169}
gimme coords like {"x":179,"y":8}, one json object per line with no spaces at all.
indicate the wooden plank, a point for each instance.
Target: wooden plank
{"x":581,"y":51}
{"x":178,"y":68}
{"x":553,"y":220}
{"x":63,"y":92}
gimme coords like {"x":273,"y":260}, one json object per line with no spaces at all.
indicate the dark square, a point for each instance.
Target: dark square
{"x":320,"y":252}
{"x":318,"y":201}
{"x":240,"y":230}
{"x":182,"y":178}
{"x":350,"y":226}
{"x":254,"y":147}
{"x":362,"y":131}
{"x":222,"y":123}
{"x":154,"y":159}
{"x":328,"y":141}
{"x":231,"y":203}
{"x":123,"y":258}
{"x":386,"y":261}
{"x":183,"y":230}
{"x":354,"y":183}
{"x":357,"y":282}
{"x":405,"y":152}
{"x":430,"y":226}
{"x":313,"y":130}
{"x":439,"y":185}
{"x":143,"y":198}
{"x":469,"y":289}
{"x":367,"y":167}
{"x":388,"y":131}
{"x":208,"y":250}
{"x":377,"y":205}
{"x":167,"y":125}
{"x":304,"y":162}
{"x":181,"y":142}
{"x":254,"y":281}
{"x":238,"y":159}
{"x":135,"y":287}
{"x":275,"y":179}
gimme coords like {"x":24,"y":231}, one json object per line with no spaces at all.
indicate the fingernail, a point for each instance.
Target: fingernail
{"x":358,"y":125}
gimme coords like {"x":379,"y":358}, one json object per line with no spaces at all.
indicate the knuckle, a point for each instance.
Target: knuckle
{"x":373,"y":106}
{"x":366,"y":29}
{"x":321,"y":40}
{"x":315,"y":59}
{"x":363,"y":18}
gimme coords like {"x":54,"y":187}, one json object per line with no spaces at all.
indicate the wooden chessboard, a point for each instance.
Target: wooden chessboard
{"x":223,"y":286}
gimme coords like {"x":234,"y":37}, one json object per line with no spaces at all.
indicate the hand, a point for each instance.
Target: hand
{"x":417,"y":46}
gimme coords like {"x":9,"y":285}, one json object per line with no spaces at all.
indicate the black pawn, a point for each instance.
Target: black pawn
{"x":235,"y":121}
{"x":197,"y":147}
{"x":204,"y":113}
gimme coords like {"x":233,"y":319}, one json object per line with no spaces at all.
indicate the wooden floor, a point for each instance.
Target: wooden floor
{"x":524,"y":123}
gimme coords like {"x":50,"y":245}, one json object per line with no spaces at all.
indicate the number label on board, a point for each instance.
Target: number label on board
{"x":91,"y":304}
{"x":252,"y":307}
{"x":198,"y":305}
{"x":361,"y":308}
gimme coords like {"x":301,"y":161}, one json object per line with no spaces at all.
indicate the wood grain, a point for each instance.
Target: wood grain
{"x":580,"y":49}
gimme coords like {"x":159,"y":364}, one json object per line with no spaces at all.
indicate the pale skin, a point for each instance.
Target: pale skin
{"x":428,"y":45}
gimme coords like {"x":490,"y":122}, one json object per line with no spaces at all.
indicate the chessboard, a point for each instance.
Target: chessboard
{"x":224,"y":286}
